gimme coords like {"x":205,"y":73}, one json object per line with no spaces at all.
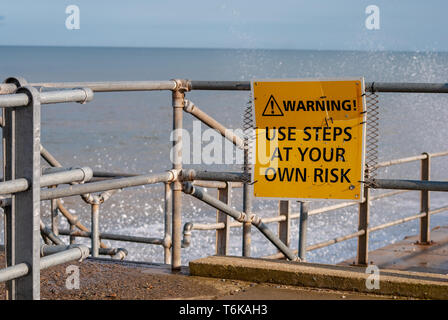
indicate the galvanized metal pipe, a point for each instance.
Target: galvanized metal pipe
{"x":49,"y":157}
{"x":46,"y":250}
{"x":50,"y":234}
{"x":425,"y":222}
{"x":240,"y":216}
{"x":111,"y":86}
{"x":362,"y":253}
{"x":13,"y":186}
{"x":399,"y":221}
{"x":21,"y":99}
{"x":369,"y":86}
{"x":410,"y":184}
{"x":191,"y":174}
{"x":112,"y":236}
{"x":167,"y":239}
{"x":83,"y":174}
{"x":21,"y":184}
{"x":303,"y":228}
{"x":105,"y":185}
{"x":78,"y":252}
{"x":177,"y":104}
{"x":20,"y":270}
{"x":95,"y":226}
{"x":13,"y":272}
{"x":335,"y":240}
{"x":222,"y":237}
{"x":191,"y":108}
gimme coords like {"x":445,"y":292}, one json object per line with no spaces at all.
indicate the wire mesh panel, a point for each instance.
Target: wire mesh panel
{"x":372,"y":137}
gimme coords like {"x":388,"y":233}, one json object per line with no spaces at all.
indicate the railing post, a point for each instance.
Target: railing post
{"x":54,"y":216}
{"x":303,"y":227}
{"x":22,"y":137}
{"x":178,"y":97}
{"x":362,"y":256}
{"x":72,"y":238}
{"x":168,"y":210}
{"x":247,"y":203}
{"x":222,"y":235}
{"x":425,"y":225}
{"x":284,"y":226}
{"x":95,"y":232}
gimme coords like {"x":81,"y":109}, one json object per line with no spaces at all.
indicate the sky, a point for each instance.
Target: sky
{"x":404,"y":25}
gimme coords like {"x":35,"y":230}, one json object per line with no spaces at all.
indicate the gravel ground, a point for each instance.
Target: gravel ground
{"x":103,"y":279}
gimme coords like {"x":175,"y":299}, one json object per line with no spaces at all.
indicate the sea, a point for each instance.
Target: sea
{"x":130,"y":132}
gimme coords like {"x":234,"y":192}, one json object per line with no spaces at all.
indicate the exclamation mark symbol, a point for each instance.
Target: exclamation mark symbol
{"x":354,"y":105}
{"x":272,"y":107}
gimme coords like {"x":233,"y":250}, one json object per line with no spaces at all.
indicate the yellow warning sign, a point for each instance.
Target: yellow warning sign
{"x":310,"y":137}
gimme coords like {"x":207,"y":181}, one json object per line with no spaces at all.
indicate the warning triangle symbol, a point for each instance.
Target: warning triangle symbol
{"x":272,"y":108}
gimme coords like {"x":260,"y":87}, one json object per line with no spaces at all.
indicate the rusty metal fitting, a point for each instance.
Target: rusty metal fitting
{"x":187,"y":175}
{"x":188,"y":106}
{"x":89,"y":95}
{"x":182,"y":85}
{"x":167,"y":242}
{"x":175,"y":173}
{"x":242,"y":218}
{"x":255,"y":220}
{"x":187,"y":187}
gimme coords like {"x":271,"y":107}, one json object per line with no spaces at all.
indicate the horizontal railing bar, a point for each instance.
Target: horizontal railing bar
{"x":346,"y":204}
{"x":274,"y":219}
{"x":111,"y":86}
{"x":438,"y":210}
{"x":219,"y":85}
{"x":399,"y":221}
{"x":21,"y":184}
{"x":78,"y":252}
{"x":210,"y":184}
{"x":369,"y":86}
{"x":410,"y":159}
{"x":312,"y":212}
{"x":407,"y":87}
{"x":13,"y":272}
{"x":400,"y":161}
{"x":335,"y":240}
{"x":107,"y":185}
{"x":210,"y":226}
{"x":76,"y":95}
{"x":361,"y":232}
{"x":216,"y":184}
{"x":7,"y":88}
{"x":112,"y":236}
{"x":191,"y":174}
{"x":106,"y":174}
{"x":21,"y":99}
{"x":83,"y":174}
{"x":13,"y":186}
{"x":410,"y":184}
{"x":14,"y":100}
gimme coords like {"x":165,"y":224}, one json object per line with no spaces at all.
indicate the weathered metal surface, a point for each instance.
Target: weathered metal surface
{"x":242,"y":217}
{"x":409,"y":255}
{"x":223,"y":235}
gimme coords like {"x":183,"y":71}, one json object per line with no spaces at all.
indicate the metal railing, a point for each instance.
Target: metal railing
{"x":22,"y":191}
